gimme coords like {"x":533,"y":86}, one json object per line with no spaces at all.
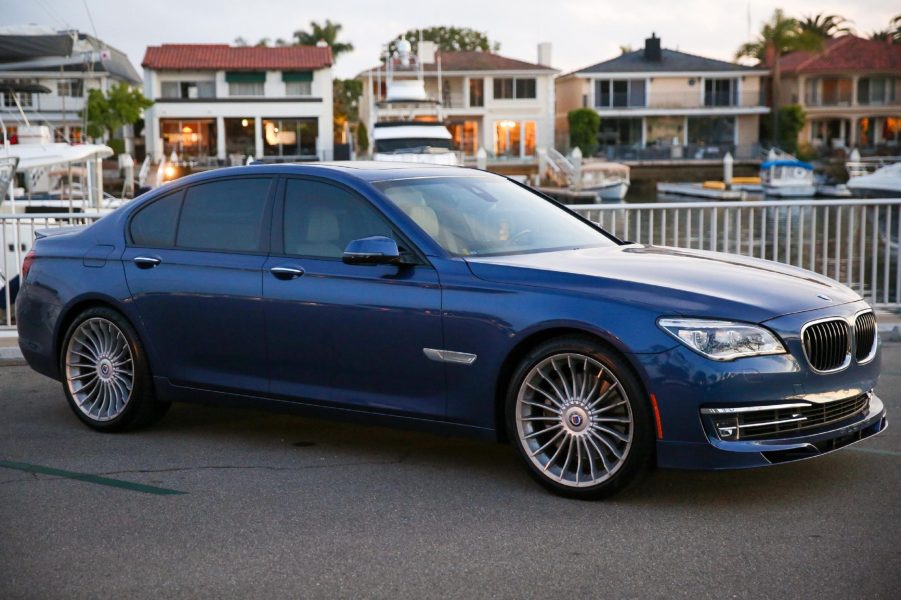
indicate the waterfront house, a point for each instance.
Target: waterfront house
{"x":218,"y":104}
{"x":657,"y":103}
{"x":850,"y":91}
{"x":67,"y":64}
{"x":504,"y":105}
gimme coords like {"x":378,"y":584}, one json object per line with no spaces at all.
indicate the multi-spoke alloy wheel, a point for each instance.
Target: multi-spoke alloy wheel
{"x":574,"y":414}
{"x":99,"y":369}
{"x":105,"y":375}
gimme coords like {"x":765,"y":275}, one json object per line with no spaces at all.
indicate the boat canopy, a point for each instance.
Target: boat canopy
{"x":34,"y":156}
{"x":410,"y":129}
{"x":786,"y":163}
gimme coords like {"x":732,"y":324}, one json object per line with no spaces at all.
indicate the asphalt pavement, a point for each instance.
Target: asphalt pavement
{"x":216,"y":503}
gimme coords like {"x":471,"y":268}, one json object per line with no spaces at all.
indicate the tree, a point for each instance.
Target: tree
{"x":121,"y":105}
{"x":825,"y":26}
{"x":583,"y":129}
{"x":791,"y":120}
{"x":892,"y":34}
{"x":449,"y":39}
{"x":327,"y":33}
{"x":362,"y":138}
{"x":779,"y":36}
{"x":345,"y":103}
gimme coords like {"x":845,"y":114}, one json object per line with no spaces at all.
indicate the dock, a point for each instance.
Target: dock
{"x":698,"y":190}
{"x":569,"y":196}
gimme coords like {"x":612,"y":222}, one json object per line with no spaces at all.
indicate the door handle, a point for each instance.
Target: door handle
{"x":146,"y":262}
{"x":286,"y":273}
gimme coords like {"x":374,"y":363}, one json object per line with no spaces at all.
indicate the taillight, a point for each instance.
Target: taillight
{"x":26,"y":263}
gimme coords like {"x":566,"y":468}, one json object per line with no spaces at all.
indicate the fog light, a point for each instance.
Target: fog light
{"x":727,"y":429}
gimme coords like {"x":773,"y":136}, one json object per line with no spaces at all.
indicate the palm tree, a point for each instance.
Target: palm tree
{"x":826,"y":26}
{"x":779,"y":36}
{"x":327,"y":33}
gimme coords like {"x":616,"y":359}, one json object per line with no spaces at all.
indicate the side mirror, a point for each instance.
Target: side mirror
{"x":375,"y":250}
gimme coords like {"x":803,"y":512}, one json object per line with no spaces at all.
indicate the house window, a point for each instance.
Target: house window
{"x":514,"y":88}
{"x":514,"y":139}
{"x":290,"y":137}
{"x":71,"y":88}
{"x":827,"y":91}
{"x":298,"y":83}
{"x":188,"y":90}
{"x":9,"y":100}
{"x":720,"y":92}
{"x":876,"y":90}
{"x":299,"y":88}
{"x":477,"y":92}
{"x":245,"y":83}
{"x":195,"y":138}
{"x":619,"y":93}
{"x":245,"y":89}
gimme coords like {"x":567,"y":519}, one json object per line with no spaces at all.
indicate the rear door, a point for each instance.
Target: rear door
{"x":348,"y":335}
{"x":194,"y":268}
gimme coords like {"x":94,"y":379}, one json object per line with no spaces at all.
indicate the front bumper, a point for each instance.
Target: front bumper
{"x":686,"y":386}
{"x":715,"y":454}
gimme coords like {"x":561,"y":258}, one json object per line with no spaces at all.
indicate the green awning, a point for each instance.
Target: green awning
{"x":297,"y":76}
{"x":245,"y":77}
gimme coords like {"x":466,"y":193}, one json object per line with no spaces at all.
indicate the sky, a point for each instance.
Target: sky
{"x":582,"y":32}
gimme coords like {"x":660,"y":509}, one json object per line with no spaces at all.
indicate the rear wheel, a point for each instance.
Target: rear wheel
{"x":105,"y":374}
{"x":579,"y":419}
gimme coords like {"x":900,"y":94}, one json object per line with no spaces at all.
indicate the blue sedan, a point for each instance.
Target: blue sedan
{"x":450,"y":300}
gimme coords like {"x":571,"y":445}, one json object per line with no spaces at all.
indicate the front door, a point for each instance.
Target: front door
{"x":348,"y":335}
{"x":194,"y":268}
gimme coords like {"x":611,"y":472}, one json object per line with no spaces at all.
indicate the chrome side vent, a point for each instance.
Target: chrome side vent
{"x":865,"y":336}
{"x":827,"y":344}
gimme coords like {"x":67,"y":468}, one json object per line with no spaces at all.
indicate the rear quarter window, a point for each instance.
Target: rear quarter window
{"x":154,"y":225}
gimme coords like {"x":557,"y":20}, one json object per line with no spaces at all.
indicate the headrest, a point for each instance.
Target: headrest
{"x":322,"y":227}
{"x":426,"y":218}
{"x":405,"y":198}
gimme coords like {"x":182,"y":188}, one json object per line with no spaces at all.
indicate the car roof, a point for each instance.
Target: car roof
{"x":364,"y":170}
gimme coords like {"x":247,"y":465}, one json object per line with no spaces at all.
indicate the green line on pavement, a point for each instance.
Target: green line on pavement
{"x":118,"y":483}
{"x":877,"y":451}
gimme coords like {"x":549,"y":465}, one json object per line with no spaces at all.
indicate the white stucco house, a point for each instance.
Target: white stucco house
{"x":218,"y":104}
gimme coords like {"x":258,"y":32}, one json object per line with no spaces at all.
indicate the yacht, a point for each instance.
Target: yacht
{"x":408,"y":123}
{"x":884,"y":182}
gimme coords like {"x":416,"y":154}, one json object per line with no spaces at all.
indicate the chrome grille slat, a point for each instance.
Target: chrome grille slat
{"x":771,"y":422}
{"x":826,"y":344}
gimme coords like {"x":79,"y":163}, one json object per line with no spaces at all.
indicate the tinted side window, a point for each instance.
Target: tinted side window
{"x":320,"y":219}
{"x":224,"y":215}
{"x":154,"y":225}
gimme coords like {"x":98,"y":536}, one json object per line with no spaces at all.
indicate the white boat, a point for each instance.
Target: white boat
{"x":609,"y":180}
{"x":787,"y":178}
{"x":408,"y":123}
{"x":884,"y":182}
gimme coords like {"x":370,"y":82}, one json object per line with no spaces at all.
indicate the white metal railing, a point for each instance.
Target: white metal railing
{"x":16,"y":239}
{"x":855,"y":242}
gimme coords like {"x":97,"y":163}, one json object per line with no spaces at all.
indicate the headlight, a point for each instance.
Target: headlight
{"x":722,"y":340}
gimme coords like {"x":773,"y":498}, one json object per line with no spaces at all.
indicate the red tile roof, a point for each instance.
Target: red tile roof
{"x":846,"y":53}
{"x":478,"y":61}
{"x":214,"y":57}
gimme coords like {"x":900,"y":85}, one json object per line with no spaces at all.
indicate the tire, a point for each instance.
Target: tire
{"x":105,"y":375}
{"x":579,"y":419}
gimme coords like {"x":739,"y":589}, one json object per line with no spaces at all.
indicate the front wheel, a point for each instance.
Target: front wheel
{"x":105,"y":374}
{"x":579,"y":419}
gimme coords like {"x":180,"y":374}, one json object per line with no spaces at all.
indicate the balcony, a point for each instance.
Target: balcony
{"x":684,"y":100}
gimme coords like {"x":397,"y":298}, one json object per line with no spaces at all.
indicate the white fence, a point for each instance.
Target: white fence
{"x":852,"y":241}
{"x":16,"y":239}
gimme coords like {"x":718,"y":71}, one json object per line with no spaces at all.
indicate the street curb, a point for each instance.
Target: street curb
{"x":11,"y":353}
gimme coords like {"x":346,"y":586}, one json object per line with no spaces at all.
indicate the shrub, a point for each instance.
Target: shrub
{"x":583,"y":130}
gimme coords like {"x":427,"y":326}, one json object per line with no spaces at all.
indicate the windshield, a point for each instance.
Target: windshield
{"x":411,"y":144}
{"x":484,"y":216}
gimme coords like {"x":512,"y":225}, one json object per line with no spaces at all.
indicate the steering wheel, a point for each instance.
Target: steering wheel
{"x":512,"y":239}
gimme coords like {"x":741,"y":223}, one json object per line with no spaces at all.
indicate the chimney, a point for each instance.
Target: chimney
{"x":652,"y":48}
{"x":544,"y":54}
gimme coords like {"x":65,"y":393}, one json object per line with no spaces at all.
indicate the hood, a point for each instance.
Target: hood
{"x":672,"y":281}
